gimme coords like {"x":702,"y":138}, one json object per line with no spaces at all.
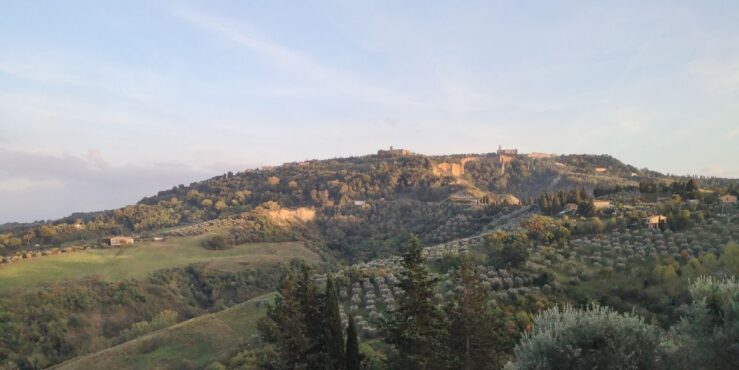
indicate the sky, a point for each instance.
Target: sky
{"x":103,"y":103}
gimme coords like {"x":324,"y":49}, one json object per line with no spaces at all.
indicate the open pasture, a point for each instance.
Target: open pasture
{"x":142,"y":259}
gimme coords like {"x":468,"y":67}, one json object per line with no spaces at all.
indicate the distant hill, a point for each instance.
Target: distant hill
{"x":379,"y":192}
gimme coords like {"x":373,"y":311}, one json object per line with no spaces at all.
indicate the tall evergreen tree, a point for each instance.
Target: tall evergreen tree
{"x":334,"y":333}
{"x":353,"y":358}
{"x":417,"y":328}
{"x":472,"y":337}
{"x":295,"y":322}
{"x":284,"y":325}
{"x":311,"y":308}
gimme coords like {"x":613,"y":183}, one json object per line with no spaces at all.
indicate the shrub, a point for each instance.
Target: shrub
{"x":162,"y":320}
{"x":216,"y":242}
{"x":707,"y":337}
{"x":594,"y":338}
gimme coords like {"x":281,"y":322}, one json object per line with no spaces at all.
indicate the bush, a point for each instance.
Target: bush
{"x":162,"y":320}
{"x":594,"y":338}
{"x":216,"y":242}
{"x":707,"y":337}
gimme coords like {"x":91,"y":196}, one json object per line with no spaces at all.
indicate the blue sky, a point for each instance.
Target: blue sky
{"x":102,"y":103}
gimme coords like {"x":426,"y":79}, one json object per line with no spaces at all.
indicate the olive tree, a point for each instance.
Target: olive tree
{"x":594,"y":338}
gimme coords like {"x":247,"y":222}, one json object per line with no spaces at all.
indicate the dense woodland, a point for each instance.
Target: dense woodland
{"x":550,"y":282}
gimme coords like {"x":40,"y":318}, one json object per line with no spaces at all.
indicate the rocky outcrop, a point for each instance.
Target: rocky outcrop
{"x":451,"y":168}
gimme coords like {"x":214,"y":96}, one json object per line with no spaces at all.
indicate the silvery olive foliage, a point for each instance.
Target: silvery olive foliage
{"x":592,"y":338}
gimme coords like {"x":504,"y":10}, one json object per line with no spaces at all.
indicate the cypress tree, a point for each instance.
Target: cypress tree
{"x":311,"y":310}
{"x":333,"y":331}
{"x":353,"y":358}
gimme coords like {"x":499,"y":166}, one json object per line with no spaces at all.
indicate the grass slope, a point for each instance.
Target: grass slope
{"x":193,"y":343}
{"x":144,"y":258}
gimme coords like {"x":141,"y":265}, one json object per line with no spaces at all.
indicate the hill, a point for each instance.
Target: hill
{"x":376,"y":192}
{"x":529,"y":224}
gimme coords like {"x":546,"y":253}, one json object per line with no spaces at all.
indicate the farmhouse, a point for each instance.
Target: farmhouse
{"x":569,"y":208}
{"x":654,"y":222}
{"x":728,"y":199}
{"x":601,"y":204}
{"x":115,"y":241}
{"x":359,"y":203}
{"x":600,"y":169}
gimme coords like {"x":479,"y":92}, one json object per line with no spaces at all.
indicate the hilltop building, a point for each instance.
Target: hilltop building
{"x":394,"y":152}
{"x":502,"y":151}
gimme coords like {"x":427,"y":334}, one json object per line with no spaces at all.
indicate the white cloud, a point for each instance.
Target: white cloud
{"x":322,"y":77}
{"x":36,"y":185}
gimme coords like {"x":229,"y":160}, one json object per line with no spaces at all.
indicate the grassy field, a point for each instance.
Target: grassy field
{"x":142,"y":259}
{"x":194,"y":343}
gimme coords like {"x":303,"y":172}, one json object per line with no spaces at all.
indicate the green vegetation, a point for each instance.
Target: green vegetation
{"x":416,"y":328}
{"x":495,"y":275}
{"x":215,"y":242}
{"x":402,"y":194}
{"x":143,"y":259}
{"x":594,"y":338}
{"x":79,"y":310}
{"x":192,"y":344}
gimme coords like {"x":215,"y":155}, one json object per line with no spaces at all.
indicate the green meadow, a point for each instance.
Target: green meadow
{"x":143,"y":258}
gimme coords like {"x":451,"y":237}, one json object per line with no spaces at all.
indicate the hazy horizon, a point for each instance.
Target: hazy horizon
{"x":102,"y":104}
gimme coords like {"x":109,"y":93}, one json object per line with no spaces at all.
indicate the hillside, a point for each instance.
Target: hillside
{"x":539,"y":231}
{"x":348,"y":194}
{"x":194,"y":343}
{"x":140,"y":261}
{"x":56,"y":307}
